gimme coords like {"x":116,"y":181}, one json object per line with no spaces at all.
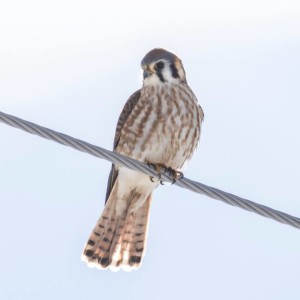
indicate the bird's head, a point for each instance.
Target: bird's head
{"x":162,"y":67}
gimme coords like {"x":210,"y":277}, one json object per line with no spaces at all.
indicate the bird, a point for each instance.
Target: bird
{"x":160,"y":124}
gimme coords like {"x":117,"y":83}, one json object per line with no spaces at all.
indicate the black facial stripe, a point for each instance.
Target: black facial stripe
{"x":174,"y":71}
{"x":160,"y":76}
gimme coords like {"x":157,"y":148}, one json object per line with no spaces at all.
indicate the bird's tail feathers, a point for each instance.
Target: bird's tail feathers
{"x":118,"y":240}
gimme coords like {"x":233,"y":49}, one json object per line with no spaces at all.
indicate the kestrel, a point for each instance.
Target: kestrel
{"x":160,"y":124}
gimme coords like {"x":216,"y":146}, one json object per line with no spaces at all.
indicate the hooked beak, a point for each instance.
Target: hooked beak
{"x":146,"y":73}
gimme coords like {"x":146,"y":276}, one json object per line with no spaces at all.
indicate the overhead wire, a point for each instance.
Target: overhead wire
{"x":136,"y":165}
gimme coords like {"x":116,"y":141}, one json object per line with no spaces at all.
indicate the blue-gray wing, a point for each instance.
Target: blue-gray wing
{"x":127,"y":109}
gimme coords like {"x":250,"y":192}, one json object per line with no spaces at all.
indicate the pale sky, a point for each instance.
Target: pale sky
{"x":70,"y":66}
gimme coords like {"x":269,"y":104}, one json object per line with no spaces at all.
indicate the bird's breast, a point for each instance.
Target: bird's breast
{"x":164,"y":126}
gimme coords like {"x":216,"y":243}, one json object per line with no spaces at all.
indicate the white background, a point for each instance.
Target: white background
{"x":70,"y":66}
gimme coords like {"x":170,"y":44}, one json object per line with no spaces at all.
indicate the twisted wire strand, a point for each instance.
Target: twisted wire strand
{"x":133,"y":164}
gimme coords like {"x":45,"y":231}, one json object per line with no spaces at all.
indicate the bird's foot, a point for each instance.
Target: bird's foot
{"x":157,"y":168}
{"x":174,"y":174}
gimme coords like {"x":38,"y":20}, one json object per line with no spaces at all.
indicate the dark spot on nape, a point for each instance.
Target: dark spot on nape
{"x":89,"y":253}
{"x":92,"y":243}
{"x":135,"y":259}
{"x":174,"y":71}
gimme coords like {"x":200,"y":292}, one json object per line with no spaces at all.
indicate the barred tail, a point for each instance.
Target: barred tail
{"x":118,"y":240}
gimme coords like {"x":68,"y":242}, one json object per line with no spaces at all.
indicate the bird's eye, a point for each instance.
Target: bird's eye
{"x":159,"y":65}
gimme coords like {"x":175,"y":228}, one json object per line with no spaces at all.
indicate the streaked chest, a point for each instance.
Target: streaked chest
{"x":164,"y":126}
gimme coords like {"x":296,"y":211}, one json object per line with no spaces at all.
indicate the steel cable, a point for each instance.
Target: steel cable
{"x":133,"y":164}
